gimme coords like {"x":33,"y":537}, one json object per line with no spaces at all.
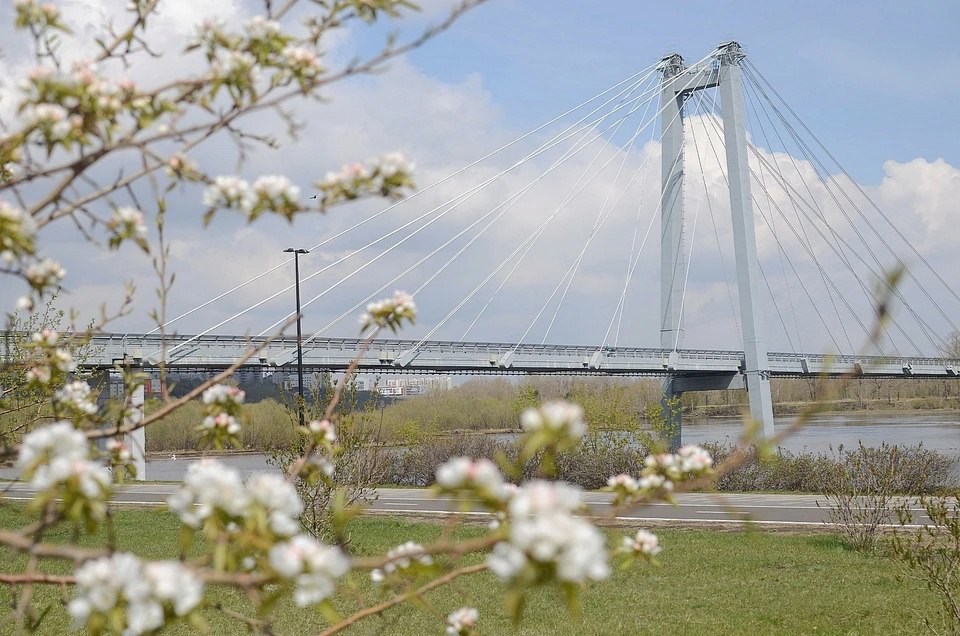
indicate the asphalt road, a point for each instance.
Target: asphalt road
{"x":693,"y":508}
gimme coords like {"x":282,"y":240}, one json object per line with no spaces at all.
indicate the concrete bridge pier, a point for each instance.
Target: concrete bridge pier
{"x":676,"y":385}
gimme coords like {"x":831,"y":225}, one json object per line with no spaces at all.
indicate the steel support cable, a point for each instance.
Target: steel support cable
{"x":503,"y":207}
{"x":516,"y":265}
{"x":873,"y":204}
{"x":634,"y":253}
{"x":686,"y":274}
{"x":713,"y":220}
{"x":790,"y":261}
{"x":525,"y":247}
{"x":453,"y":203}
{"x":823,"y":274}
{"x":763,"y":273}
{"x":879,"y":271}
{"x":459,"y":199}
{"x":776,"y":305}
{"x":812,"y":255}
{"x":599,"y":223}
{"x":659,"y":113}
{"x":793,"y":205}
{"x":818,"y":166}
{"x":773,"y":230}
{"x":646,"y":74}
{"x":838,"y":251}
{"x":846,"y":261}
{"x":633,"y":267}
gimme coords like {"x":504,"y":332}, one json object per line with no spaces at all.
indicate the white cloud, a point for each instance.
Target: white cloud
{"x":445,"y":125}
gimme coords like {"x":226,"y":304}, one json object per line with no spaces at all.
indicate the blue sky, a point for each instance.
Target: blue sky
{"x":875,"y":79}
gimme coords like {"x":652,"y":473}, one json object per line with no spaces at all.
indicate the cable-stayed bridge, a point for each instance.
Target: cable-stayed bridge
{"x":822,"y":265}
{"x":492,"y":358}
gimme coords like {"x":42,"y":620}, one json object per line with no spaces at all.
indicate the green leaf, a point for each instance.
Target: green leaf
{"x":329,"y":613}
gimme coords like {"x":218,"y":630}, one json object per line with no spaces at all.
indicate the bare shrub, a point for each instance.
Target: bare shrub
{"x":916,"y":470}
{"x":417,"y":465}
{"x":931,"y":555}
{"x":860,"y":491}
{"x":358,"y":468}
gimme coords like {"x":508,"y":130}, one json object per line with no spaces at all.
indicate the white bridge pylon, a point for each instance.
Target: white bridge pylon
{"x":678,"y":83}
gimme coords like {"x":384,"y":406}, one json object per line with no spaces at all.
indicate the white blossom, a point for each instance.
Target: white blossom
{"x":223,"y":421}
{"x":45,"y":338}
{"x":465,"y":473}
{"x":119,"y":449}
{"x":46,"y":273}
{"x":209,"y":486}
{"x":323,"y":429}
{"x":348,"y":175}
{"x":180,"y":165}
{"x":645,"y":543}
{"x":44,"y":115}
{"x":461,"y":621}
{"x":302,"y":60}
{"x":275,"y":189}
{"x":39,"y":374}
{"x":229,"y":192}
{"x":390,"y":312}
{"x":233,"y":65}
{"x":545,"y":532}
{"x":129,"y":222}
{"x":394,"y":163}
{"x":56,"y":454}
{"x":401,"y":558}
{"x":224,"y":394}
{"x":17,"y":229}
{"x":313,"y":566}
{"x":655,"y":482}
{"x":693,"y":459}
{"x":280,"y":499}
{"x":665,"y":463}
{"x":557,"y":417}
{"x":76,"y":395}
{"x":260,"y":28}
{"x":143,"y":590}
{"x":623,"y":482}
{"x":24,"y":303}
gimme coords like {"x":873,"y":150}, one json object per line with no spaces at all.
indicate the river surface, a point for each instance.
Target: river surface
{"x":938,"y":430}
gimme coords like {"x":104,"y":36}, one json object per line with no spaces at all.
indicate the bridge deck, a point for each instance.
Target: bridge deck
{"x":220,"y":351}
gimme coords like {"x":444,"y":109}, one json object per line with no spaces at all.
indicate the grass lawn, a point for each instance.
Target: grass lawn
{"x":709,"y":583}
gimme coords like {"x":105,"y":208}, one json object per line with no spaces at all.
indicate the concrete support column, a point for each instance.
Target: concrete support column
{"x":672,"y":261}
{"x":137,"y":439}
{"x":757,"y":370}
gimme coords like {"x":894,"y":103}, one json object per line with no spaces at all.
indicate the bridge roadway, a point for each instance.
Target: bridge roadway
{"x":790,"y":510}
{"x":448,"y":357}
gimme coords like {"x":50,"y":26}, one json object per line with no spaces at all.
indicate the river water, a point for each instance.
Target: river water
{"x":938,"y":430}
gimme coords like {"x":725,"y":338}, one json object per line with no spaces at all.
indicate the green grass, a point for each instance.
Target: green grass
{"x":708,"y":583}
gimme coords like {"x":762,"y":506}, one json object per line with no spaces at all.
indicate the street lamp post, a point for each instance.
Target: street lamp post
{"x":296,"y":268}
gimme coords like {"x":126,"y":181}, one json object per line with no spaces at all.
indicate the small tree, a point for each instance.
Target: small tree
{"x":353,"y":471}
{"x":931,"y":555}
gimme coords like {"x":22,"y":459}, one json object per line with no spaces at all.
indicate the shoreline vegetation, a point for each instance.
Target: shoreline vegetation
{"x":493,"y":406}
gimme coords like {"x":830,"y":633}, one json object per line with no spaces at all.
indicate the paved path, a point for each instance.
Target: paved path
{"x":693,"y":508}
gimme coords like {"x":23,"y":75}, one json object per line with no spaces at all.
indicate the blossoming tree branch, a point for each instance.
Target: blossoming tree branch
{"x":74,"y":115}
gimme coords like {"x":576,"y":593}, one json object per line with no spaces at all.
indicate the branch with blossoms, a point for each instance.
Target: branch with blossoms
{"x":73,"y":118}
